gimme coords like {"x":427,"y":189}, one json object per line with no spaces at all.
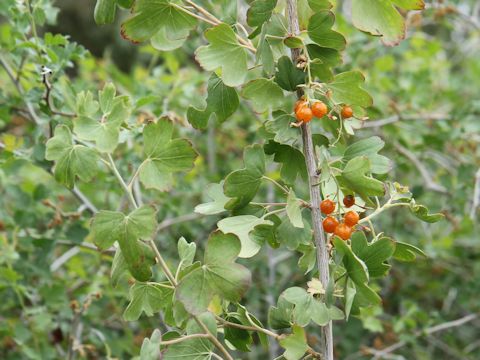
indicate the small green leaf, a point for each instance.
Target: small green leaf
{"x":71,"y":160}
{"x":221,"y":100}
{"x":164,"y":156}
{"x":287,"y":75}
{"x":292,"y":160}
{"x":149,"y":298}
{"x":242,"y":226}
{"x":291,"y":236}
{"x":354,"y":177}
{"x":294,"y":210}
{"x":225,"y":53}
{"x":217,"y":206}
{"x":318,"y":5}
{"x":219,"y":275}
{"x":407,"y":252}
{"x":381,"y":18}
{"x":280,"y":126}
{"x":186,"y":251}
{"x":110,"y":226}
{"x":239,"y":338}
{"x":293,"y":42}
{"x":160,"y":19}
{"x":151,"y":346}
{"x":370,"y":147}
{"x":323,"y":60}
{"x":374,"y":254}
{"x":346,"y":89}
{"x":350,"y":292}
{"x":260,"y":11}
{"x":422,"y":213}
{"x":320,"y":31}
{"x":119,"y":267}
{"x":356,"y":270}
{"x":295,"y":344}
{"x":264,"y":94}
{"x":242,"y":185}
{"x":105,"y":11}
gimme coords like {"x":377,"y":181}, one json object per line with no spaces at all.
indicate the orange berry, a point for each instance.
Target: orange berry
{"x":300,"y":103}
{"x":327,"y":206}
{"x":319,"y":109}
{"x":343,"y":231}
{"x":329,"y":224}
{"x":349,"y":201}
{"x":351,"y":218}
{"x":347,"y":112}
{"x":304,"y":113}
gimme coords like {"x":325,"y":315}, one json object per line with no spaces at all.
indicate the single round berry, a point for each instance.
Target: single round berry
{"x":349,"y":201}
{"x":304,"y":113}
{"x":351,"y":218}
{"x":329,"y":224}
{"x":300,"y":103}
{"x":319,"y":109}
{"x":347,"y":112}
{"x":327,"y":206}
{"x":343,"y":231}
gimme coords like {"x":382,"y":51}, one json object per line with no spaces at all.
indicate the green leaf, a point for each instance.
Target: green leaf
{"x":292,"y":160}
{"x":242,"y":185}
{"x":350,"y":292}
{"x":71,"y":160}
{"x":105,"y":11}
{"x":354,"y":177}
{"x":318,"y":5}
{"x":280,"y":317}
{"x":323,"y":59}
{"x":196,"y":348}
{"x":356,"y":270}
{"x":160,"y":19}
{"x":219,"y":275}
{"x":287,"y":75}
{"x":370,"y":147}
{"x":374,"y":254}
{"x":292,"y":236}
{"x":381,"y":18}
{"x":293,"y":42}
{"x":221,"y":100}
{"x":295,"y":344}
{"x":85,"y":105}
{"x":294,"y":210}
{"x":106,"y":97}
{"x":119,"y":267}
{"x":151,"y":346}
{"x":407,"y":252}
{"x":110,"y":226}
{"x":421,"y":212}
{"x":186,"y":251}
{"x":264,"y":55}
{"x":164,"y":156}
{"x":225,"y":53}
{"x":260,"y":11}
{"x":146,"y":297}
{"x":346,"y":89}
{"x":264,"y":94}
{"x":242,"y":226}
{"x":217,"y":206}
{"x":241,"y":339}
{"x":280,"y":126}
{"x":320,"y":31}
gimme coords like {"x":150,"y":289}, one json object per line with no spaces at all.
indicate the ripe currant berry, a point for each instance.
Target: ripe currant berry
{"x":347,"y":112}
{"x":327,"y":206}
{"x":329,"y":224}
{"x":351,"y":218}
{"x":304,"y":113}
{"x":343,"y":231}
{"x":319,"y":109}
{"x":349,"y":201}
{"x":300,"y":103}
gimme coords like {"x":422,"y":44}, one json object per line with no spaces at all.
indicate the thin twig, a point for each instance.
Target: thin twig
{"x":431,"y":330}
{"x":395,"y":118}
{"x":315,"y":196}
{"x":428,"y":179}
{"x":18,"y":86}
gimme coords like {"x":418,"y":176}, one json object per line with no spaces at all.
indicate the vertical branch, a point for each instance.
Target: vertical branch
{"x":476,"y":196}
{"x":315,"y":196}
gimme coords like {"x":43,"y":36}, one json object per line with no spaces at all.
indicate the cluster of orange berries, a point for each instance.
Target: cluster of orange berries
{"x":304,"y":112}
{"x":331,"y":225}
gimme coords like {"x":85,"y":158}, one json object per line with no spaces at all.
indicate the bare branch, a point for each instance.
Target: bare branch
{"x":429,"y":182}
{"x":395,"y":118}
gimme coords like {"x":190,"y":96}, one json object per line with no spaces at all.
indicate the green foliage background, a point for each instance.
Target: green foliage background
{"x":425,"y":108}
